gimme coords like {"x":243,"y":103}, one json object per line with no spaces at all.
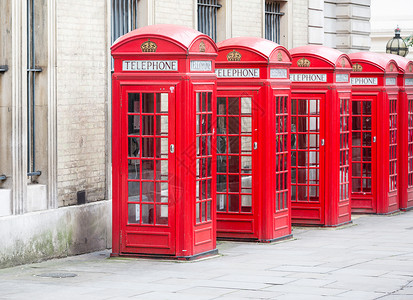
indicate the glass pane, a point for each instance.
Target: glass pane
{"x":356,"y":123}
{"x":233,"y":106}
{"x":198,"y":212}
{"x":366,"y":108}
{"x":133,"y":147}
{"x":233,"y":146}
{"x":366,"y":154}
{"x":147,"y":147}
{"x":233,"y":203}
{"x":246,"y":125}
{"x":133,"y":103}
{"x":233,"y":183}
{"x":246,"y":105}
{"x":147,"y":125}
{"x":233,"y":125}
{"x":356,"y":170}
{"x":221,"y":164}
{"x":367,"y":123}
{"x":162,"y":148}
{"x":147,"y":213}
{"x":133,"y":169}
{"x":356,"y":138}
{"x":313,"y":107}
{"x":161,"y":125}
{"x":209,"y":186}
{"x":356,"y":108}
{"x":133,"y":191}
{"x":221,"y":183}
{"x":204,"y":103}
{"x":209,"y":97}
{"x":246,"y":203}
{"x":147,"y":169}
{"x":367,"y":138}
{"x":246,"y":144}
{"x":367,"y":170}
{"x":209,"y":210}
{"x":356,"y":154}
{"x":246,"y":181}
{"x":233,"y":164}
{"x":162,"y":103}
{"x":203,"y":211}
{"x":222,"y":125}
{"x":356,"y":187}
{"x":221,"y":202}
{"x":161,"y":170}
{"x":161,"y":214}
{"x":147,"y":191}
{"x":221,"y":105}
{"x":302,"y":107}
{"x":147,"y":102}
{"x":302,"y":141}
{"x":133,"y":124}
{"x":246,"y":164}
{"x":133,"y":213}
{"x":198,"y":102}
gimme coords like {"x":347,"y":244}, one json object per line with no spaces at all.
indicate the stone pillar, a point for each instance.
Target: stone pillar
{"x":353,"y":25}
{"x":316,"y":22}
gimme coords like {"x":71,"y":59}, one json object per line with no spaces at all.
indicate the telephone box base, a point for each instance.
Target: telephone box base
{"x":168,"y":257}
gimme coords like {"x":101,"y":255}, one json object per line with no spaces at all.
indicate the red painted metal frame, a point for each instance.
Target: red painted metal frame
{"x":385,"y":163}
{"x":183,"y":237}
{"x":269,"y":218}
{"x":405,"y":130}
{"x":325,"y":78}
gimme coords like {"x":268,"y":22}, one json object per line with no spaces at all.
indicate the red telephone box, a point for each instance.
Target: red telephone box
{"x":253,"y":141}
{"x":374,"y":122}
{"x":405,"y":130}
{"x":164,"y":100}
{"x":321,"y":136}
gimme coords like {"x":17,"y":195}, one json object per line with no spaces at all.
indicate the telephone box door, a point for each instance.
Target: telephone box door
{"x":363,"y":153}
{"x":236,"y":206}
{"x":307,"y":159}
{"x":148,"y":160}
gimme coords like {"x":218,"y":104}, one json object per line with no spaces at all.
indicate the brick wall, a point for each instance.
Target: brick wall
{"x":81,"y":97}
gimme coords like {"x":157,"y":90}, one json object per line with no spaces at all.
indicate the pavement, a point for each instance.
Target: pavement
{"x":369,"y":259}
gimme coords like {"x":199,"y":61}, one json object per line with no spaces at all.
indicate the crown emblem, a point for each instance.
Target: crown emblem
{"x":391,"y":68}
{"x":234,"y":56}
{"x":357,"y":68}
{"x":202,"y":47}
{"x":303,"y":62}
{"x":343,"y":63}
{"x":280,"y":56}
{"x":149,"y":46}
{"x":410,"y":68}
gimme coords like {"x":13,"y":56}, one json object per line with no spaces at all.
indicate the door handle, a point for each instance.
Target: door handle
{"x":374,"y":139}
{"x":255,"y":145}
{"x":322,"y":142}
{"x":172,"y":148}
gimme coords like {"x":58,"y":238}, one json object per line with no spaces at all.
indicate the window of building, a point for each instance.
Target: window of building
{"x":273,"y":21}
{"x":207,"y":17}
{"x":32,"y":71}
{"x":124,"y":17}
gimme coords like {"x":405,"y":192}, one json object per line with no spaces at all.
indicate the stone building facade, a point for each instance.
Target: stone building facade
{"x":55,"y":107}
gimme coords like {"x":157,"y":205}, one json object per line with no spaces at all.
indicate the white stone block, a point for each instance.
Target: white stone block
{"x":330,"y":10}
{"x":315,"y":35}
{"x":36,"y":197}
{"x":316,"y":4}
{"x":315,"y":18}
{"x":330,"y":40}
{"x":5,"y":202}
{"x":330,"y":25}
{"x":361,"y":41}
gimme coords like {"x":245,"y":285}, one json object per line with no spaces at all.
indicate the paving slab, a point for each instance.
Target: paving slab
{"x":371,"y":259}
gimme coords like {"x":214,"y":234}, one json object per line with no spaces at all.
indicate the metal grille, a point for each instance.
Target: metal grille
{"x":31,"y":90}
{"x":281,"y":136}
{"x":124,"y":17}
{"x":207,"y":17}
{"x":393,"y":145}
{"x":272,"y":21}
{"x":344,"y":149}
{"x":204,"y":133}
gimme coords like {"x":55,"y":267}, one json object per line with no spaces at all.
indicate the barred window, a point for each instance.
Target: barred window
{"x":207,"y":17}
{"x":272,"y":21}
{"x":124,"y":14}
